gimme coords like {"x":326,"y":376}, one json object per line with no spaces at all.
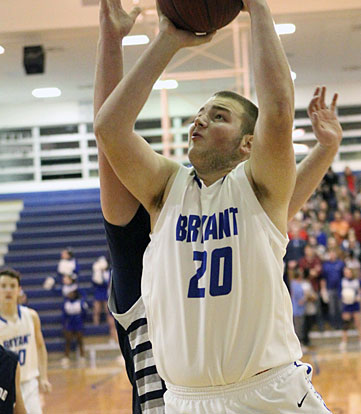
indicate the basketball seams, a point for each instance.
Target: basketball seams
{"x":211,"y":23}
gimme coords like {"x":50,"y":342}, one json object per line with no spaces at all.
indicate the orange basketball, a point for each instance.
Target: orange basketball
{"x":200,"y":16}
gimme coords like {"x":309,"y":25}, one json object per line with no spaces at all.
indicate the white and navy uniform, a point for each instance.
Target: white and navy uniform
{"x":127,"y":245}
{"x":218,"y":310}
{"x":19,"y":337}
{"x":8,"y":365}
{"x":350,"y":289}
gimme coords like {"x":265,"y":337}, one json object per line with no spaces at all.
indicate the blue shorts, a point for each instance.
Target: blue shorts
{"x":355,"y":307}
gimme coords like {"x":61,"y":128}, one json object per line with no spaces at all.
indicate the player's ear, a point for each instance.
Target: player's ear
{"x":246,"y":144}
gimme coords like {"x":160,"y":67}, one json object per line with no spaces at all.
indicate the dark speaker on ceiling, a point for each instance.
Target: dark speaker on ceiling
{"x":34,"y":59}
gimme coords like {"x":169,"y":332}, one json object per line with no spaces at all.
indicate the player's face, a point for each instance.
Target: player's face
{"x":9,"y":289}
{"x":216,"y":130}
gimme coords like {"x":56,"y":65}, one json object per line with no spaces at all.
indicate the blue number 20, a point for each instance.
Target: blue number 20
{"x":215,"y":289}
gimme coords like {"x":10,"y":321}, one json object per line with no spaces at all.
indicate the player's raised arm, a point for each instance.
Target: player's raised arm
{"x":272,"y":164}
{"x":44,"y":383}
{"x":328,"y":132}
{"x":118,"y":205}
{"x":140,"y":169}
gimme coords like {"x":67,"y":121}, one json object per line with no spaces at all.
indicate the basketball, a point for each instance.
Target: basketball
{"x":200,"y":16}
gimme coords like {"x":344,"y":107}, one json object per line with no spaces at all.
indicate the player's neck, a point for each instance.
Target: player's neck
{"x":213,"y":176}
{"x":8,"y":310}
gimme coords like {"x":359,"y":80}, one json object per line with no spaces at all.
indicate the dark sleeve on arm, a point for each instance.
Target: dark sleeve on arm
{"x":127,"y":245}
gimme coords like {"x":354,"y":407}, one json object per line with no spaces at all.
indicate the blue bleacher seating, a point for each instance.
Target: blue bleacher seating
{"x":51,"y":221}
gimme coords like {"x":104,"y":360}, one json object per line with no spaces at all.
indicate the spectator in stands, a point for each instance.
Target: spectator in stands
{"x":318,"y":232}
{"x":344,"y":199}
{"x":332,"y":272}
{"x":298,"y":300}
{"x":320,"y":249}
{"x":74,"y":313}
{"x":312,"y":266}
{"x":20,"y":331}
{"x":68,"y":265}
{"x":297,"y":243}
{"x":355,"y":224}
{"x":350,"y":294}
{"x":339,"y":227}
{"x":100,"y":279}
{"x":328,"y":187}
{"x":310,"y":298}
{"x":353,"y":263}
{"x":350,"y":243}
{"x":349,"y":179}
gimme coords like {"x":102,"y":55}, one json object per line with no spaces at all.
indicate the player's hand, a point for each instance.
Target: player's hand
{"x":114,"y":21}
{"x":324,"y":120}
{"x":45,"y":385}
{"x":180,"y":38}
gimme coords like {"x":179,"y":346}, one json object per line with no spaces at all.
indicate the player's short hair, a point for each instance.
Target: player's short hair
{"x":8,"y":271}
{"x":250,"y":110}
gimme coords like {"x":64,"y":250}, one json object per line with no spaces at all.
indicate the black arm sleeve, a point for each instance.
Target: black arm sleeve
{"x":127,"y":245}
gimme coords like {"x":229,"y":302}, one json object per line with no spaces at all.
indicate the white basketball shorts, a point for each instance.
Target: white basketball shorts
{"x":283,"y":390}
{"x":31,"y":397}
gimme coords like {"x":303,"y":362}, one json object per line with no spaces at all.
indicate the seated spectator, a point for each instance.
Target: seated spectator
{"x":332,"y":273}
{"x":320,"y":249}
{"x":350,"y":243}
{"x":353,"y":263}
{"x":298,"y":302}
{"x":349,"y":179}
{"x":355,"y":224}
{"x":310,"y":315}
{"x":318,"y":232}
{"x":339,"y":227}
{"x":311,"y":265}
{"x":74,"y":313}
{"x":297,"y":243}
{"x":350,"y":295}
{"x":328,"y":186}
{"x":344,"y":199}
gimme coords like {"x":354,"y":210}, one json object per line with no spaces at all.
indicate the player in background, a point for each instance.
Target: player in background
{"x":11,"y":399}
{"x":20,"y":332}
{"x":127,"y":223}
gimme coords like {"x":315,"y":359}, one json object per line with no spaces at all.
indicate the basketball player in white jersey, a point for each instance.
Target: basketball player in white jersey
{"x":220,"y":230}
{"x":20,"y":331}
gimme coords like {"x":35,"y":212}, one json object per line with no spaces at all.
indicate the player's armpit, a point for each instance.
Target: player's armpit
{"x":143,"y":172}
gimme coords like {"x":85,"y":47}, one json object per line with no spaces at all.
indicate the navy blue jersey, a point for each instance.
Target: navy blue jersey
{"x":127,"y":245}
{"x":8,"y":364}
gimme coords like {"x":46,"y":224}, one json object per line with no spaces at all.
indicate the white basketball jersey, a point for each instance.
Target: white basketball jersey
{"x":217,"y":307}
{"x":19,"y":337}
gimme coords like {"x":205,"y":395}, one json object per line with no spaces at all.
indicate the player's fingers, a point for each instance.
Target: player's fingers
{"x":135,"y":13}
{"x":334,"y":102}
{"x":323,"y":98}
{"x":317,"y":90}
{"x":312,"y":106}
{"x":205,"y":38}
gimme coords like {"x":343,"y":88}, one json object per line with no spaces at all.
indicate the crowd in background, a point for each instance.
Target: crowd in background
{"x":322,"y":263}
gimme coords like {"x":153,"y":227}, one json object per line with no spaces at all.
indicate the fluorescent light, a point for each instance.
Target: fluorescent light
{"x":287,"y":28}
{"x":298,"y":133}
{"x":46,"y":92}
{"x":135,"y":40}
{"x":2,"y":50}
{"x":293,"y":75}
{"x":166,"y":84}
{"x":300,"y":149}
